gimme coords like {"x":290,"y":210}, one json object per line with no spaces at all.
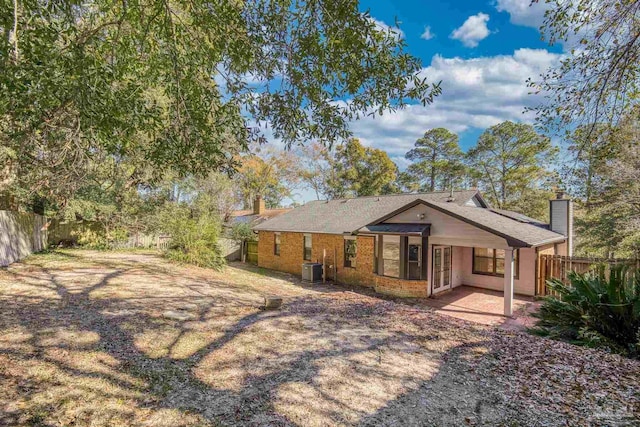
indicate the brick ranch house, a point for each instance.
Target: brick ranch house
{"x":417,"y":245}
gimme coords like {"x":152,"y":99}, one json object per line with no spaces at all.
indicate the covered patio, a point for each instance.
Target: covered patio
{"x":482,"y":306}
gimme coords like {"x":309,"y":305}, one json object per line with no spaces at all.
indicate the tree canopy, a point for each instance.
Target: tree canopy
{"x":182,"y":85}
{"x":599,"y":78}
{"x":510,"y":163}
{"x":609,"y":212}
{"x":266,"y":172}
{"x":316,"y":168}
{"x":362,"y":171}
{"x":437,"y":160}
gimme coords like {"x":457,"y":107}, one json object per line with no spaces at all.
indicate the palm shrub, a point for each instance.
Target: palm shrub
{"x":594,"y":310}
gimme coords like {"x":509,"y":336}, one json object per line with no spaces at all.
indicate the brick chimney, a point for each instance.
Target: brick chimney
{"x":561,"y":219}
{"x":258,"y":206}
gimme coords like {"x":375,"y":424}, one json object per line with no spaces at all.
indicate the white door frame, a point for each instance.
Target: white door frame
{"x":438,"y":276}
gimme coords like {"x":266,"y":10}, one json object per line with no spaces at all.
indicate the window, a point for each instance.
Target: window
{"x":375,"y":255}
{"x":350,"y":252}
{"x":414,"y":258}
{"x":307,"y":247}
{"x":276,"y":244}
{"x":491,"y":262}
{"x":391,"y":256}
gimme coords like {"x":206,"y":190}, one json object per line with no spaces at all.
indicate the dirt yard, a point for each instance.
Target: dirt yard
{"x":128,"y":339}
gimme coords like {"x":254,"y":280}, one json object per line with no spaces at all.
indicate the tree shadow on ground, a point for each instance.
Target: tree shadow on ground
{"x":102,"y":353}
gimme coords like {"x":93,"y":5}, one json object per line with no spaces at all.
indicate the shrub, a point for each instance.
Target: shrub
{"x":242,"y":232}
{"x":194,"y":240}
{"x":95,"y":237}
{"x":595,"y":311}
{"x":91,"y":239}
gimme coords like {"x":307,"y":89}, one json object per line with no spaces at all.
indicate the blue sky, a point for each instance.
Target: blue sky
{"x":482,"y":51}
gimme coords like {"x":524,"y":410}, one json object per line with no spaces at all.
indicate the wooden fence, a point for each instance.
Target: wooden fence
{"x":559,"y":267}
{"x":252,"y":252}
{"x":144,"y":241}
{"x":21,"y":234}
{"x":67,"y":232}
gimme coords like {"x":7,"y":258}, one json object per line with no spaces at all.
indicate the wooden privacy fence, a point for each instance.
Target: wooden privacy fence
{"x":559,"y":267}
{"x":21,"y":234}
{"x":252,"y":252}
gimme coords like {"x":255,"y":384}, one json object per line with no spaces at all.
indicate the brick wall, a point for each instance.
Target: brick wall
{"x":291,"y":259}
{"x":291,"y":252}
{"x":401,"y":288}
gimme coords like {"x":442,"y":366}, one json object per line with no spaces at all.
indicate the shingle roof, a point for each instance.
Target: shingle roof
{"x":267,"y":213}
{"x":248,"y":217}
{"x":520,"y":217}
{"x":350,"y":215}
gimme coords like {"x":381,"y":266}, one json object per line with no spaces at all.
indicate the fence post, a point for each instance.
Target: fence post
{"x":538,"y":273}
{"x":548,"y":273}
{"x":541,"y":275}
{"x":542,"y":280}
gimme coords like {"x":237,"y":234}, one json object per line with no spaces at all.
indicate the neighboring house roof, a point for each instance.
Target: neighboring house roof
{"x":249,"y":217}
{"x":348,"y":216}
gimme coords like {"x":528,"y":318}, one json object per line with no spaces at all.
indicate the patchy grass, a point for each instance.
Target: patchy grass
{"x":84,"y":340}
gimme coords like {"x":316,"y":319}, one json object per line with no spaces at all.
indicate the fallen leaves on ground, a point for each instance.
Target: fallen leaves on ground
{"x":85,"y":339}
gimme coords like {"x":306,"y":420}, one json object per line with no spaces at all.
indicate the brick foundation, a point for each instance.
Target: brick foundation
{"x":291,"y":259}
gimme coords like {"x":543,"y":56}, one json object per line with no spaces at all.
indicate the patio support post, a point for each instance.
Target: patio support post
{"x":508,"y":282}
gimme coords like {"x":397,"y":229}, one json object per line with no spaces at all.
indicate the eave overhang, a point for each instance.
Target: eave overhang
{"x":400,"y":229}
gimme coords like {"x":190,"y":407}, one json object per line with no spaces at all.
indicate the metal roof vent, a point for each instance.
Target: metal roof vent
{"x":451,"y":198}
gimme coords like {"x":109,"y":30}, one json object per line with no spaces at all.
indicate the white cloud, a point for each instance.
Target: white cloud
{"x":427,"y":34}
{"x":477,"y":93}
{"x":523,"y":12}
{"x":473,"y":30}
{"x":528,"y":14}
{"x":382,"y":26}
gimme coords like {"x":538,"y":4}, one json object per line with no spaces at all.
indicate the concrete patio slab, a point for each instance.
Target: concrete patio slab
{"x":482,"y":306}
